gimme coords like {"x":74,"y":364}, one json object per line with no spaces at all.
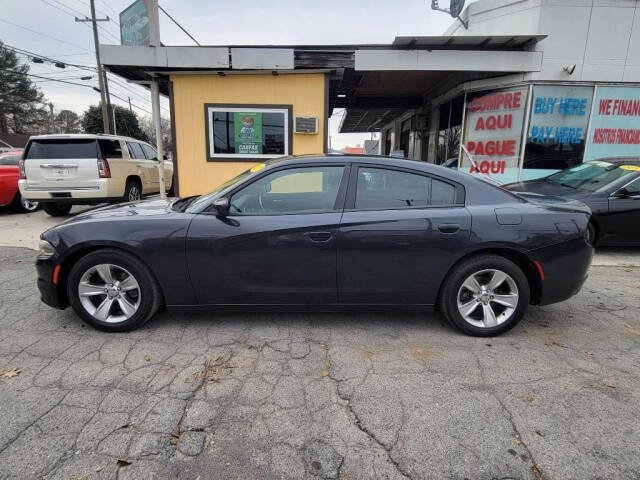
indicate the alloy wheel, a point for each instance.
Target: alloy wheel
{"x":28,"y":205}
{"x":134,"y":193}
{"x":487,"y":298}
{"x":109,"y":293}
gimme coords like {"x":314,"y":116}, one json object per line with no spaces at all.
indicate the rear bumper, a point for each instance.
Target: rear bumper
{"x":49,"y":293}
{"x":102,"y":190}
{"x":565,"y":267}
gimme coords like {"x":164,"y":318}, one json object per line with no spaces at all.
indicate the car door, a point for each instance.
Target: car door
{"x":400,"y":233}
{"x":277,"y":243}
{"x":623,"y":223}
{"x":139,"y":165}
{"x":152,"y":166}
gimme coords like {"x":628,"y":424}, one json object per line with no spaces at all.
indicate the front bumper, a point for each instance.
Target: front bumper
{"x":49,"y":292}
{"x":566,"y":267}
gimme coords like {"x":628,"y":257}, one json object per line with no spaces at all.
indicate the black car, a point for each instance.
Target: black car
{"x":322,"y":233}
{"x":610,"y":187}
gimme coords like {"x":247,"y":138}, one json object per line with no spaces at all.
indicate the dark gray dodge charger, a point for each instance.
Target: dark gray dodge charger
{"x":323,"y":233}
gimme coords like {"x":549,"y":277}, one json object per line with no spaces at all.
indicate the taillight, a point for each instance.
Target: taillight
{"x":23,"y":173}
{"x":103,"y":168}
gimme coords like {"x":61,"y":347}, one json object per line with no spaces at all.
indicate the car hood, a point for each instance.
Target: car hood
{"x":153,"y":207}
{"x":547,"y":188}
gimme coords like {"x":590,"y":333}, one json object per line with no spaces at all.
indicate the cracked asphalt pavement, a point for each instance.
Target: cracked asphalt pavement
{"x":297,"y":396}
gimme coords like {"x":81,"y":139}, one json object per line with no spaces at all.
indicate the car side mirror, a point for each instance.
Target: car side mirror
{"x":222,"y":205}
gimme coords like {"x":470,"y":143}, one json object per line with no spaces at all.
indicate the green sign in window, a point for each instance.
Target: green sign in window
{"x":248,"y":133}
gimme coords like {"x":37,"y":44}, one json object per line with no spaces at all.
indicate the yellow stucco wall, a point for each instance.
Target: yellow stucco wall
{"x":305,"y":92}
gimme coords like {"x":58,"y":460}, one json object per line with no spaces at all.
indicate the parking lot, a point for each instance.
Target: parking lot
{"x":349,"y":396}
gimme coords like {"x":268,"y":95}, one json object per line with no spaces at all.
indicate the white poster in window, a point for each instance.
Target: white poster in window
{"x":493,"y":133}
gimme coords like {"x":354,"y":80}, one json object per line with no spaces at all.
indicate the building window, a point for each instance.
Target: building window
{"x":237,"y":131}
{"x":557,"y":129}
{"x":450,"y":125}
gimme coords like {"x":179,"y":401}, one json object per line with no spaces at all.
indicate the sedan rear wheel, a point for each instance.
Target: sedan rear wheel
{"x":112,"y":290}
{"x":485,"y":295}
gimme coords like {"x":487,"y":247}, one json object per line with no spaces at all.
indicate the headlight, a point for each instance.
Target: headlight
{"x":46,"y":249}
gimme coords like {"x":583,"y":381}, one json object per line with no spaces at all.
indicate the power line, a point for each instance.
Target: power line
{"x":71,"y":14}
{"x":181,"y":27}
{"x":44,"y":35}
{"x":46,"y":78}
{"x":49,"y":59}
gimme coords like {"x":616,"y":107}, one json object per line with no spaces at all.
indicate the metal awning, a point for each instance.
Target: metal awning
{"x":456,"y":42}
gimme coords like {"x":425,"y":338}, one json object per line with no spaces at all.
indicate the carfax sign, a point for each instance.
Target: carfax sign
{"x":615,"y":124}
{"x":248,"y":133}
{"x":134,"y":24}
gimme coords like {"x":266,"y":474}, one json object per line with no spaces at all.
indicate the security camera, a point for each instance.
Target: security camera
{"x":569,"y":69}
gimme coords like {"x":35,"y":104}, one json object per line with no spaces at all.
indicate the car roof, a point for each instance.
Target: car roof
{"x":381,"y":160}
{"x":79,"y":136}
{"x":631,"y":160}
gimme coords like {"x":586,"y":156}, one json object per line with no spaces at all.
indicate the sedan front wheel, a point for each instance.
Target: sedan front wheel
{"x":112,"y":290}
{"x":485,"y":295}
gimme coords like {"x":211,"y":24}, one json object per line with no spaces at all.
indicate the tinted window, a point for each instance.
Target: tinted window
{"x":10,"y":159}
{"x":381,"y":188}
{"x":110,"y":148}
{"x":135,"y":150}
{"x":47,"y":149}
{"x":149,"y":152}
{"x":442,"y":193}
{"x":296,"y":190}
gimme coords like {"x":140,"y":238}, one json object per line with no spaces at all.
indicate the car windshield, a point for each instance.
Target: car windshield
{"x":198,"y":202}
{"x":590,"y":176}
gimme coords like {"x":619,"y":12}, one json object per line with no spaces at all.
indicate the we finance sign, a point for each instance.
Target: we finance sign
{"x":615,"y":124}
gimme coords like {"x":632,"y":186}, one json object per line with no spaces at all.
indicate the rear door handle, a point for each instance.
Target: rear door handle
{"x":319,"y":236}
{"x":449,"y":227}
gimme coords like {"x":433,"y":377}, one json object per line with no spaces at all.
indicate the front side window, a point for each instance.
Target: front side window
{"x":634,"y":187}
{"x":379,"y":188}
{"x":261,"y":132}
{"x":291,"y":191}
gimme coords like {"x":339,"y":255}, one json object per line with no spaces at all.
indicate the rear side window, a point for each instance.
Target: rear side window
{"x":51,"y":149}
{"x":135,"y":150}
{"x":379,"y":188}
{"x":110,"y":148}
{"x":149,"y":152}
{"x":9,"y":159}
{"x":442,"y":193}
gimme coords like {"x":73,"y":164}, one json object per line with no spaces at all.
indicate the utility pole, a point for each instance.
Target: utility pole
{"x":53,"y":125}
{"x":110,"y":110}
{"x":96,"y":44}
{"x":130,"y":109}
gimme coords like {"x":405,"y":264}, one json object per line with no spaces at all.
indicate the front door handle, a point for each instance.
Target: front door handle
{"x":319,"y":236}
{"x":449,"y":227}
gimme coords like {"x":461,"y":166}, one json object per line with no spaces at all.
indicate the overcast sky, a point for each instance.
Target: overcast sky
{"x":212,"y":22}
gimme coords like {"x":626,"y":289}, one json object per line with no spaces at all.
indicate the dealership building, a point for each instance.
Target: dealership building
{"x":515,"y":89}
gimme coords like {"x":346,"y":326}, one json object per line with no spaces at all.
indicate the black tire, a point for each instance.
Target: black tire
{"x":591,"y":234}
{"x":22,"y":205}
{"x":132,"y":191}
{"x":56,"y":209}
{"x":171,"y":192}
{"x":452,"y":285}
{"x":150,"y":294}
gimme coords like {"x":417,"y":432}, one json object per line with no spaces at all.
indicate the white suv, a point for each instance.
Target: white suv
{"x":63,"y":170}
